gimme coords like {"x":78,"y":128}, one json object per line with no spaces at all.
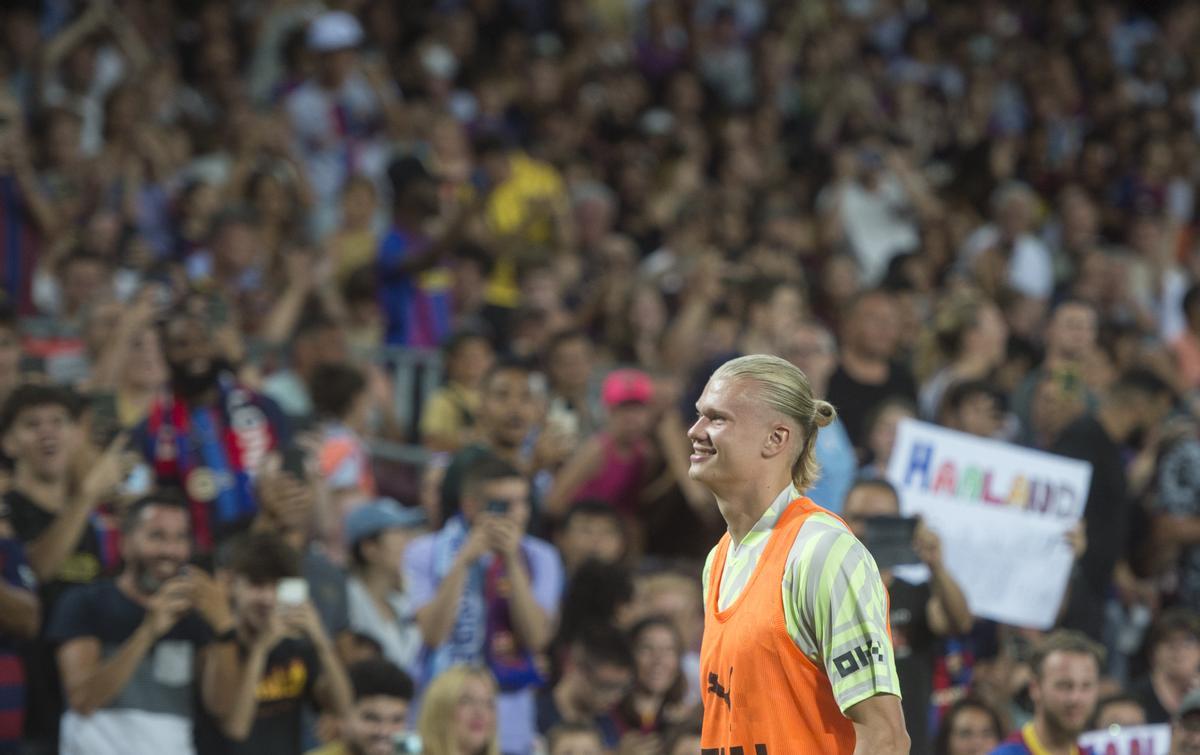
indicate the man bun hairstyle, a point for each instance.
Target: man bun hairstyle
{"x":786,"y":390}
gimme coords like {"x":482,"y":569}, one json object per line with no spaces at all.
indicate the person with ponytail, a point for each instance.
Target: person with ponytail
{"x":797,"y":653}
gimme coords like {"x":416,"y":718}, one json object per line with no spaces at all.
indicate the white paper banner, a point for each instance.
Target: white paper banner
{"x":1002,"y":512}
{"x":1129,"y":740}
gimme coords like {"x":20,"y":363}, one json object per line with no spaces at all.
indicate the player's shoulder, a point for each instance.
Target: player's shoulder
{"x":825,"y":554}
{"x":822,"y":535}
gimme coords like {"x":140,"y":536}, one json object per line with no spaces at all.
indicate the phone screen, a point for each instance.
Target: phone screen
{"x":291,"y":591}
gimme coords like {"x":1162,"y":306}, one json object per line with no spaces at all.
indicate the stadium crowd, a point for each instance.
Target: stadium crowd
{"x":348,"y":352}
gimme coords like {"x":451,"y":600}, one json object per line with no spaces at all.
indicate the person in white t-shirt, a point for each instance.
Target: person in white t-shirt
{"x":338,"y":115}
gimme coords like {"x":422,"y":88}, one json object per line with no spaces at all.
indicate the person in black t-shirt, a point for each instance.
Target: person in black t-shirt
{"x":134,"y":650}
{"x":1135,"y":403}
{"x":920,"y":613}
{"x":286,"y":656}
{"x":867,"y":373}
{"x":66,"y":538}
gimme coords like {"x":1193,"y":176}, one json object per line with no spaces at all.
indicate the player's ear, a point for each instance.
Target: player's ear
{"x":777,"y":440}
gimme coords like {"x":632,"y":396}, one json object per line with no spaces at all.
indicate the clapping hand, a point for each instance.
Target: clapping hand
{"x":164,"y":609}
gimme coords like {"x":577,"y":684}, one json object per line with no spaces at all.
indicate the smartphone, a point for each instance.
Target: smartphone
{"x":102,"y":410}
{"x":295,"y":462}
{"x":890,"y":540}
{"x":292,"y":591}
{"x":497,"y":506}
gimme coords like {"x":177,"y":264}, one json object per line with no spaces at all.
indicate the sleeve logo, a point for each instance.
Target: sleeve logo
{"x":859,"y":658}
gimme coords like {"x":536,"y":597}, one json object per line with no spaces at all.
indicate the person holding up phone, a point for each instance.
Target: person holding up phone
{"x":286,"y":657}
{"x":919,"y":613}
{"x":133,"y":651}
{"x":485,"y":592}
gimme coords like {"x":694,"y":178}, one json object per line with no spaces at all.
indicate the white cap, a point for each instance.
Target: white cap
{"x":335,"y":30}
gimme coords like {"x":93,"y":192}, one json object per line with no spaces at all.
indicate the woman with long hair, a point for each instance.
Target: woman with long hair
{"x":970,"y":727}
{"x":658,"y":699}
{"x":966,"y":341}
{"x":458,"y":716}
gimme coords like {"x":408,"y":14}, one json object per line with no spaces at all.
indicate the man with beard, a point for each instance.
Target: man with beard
{"x":486,"y":592}
{"x":211,"y":435}
{"x":1064,"y":690}
{"x":507,"y":414}
{"x":131,"y":649}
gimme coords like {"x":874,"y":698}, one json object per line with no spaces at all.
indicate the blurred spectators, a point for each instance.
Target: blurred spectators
{"x":316,"y":253}
{"x":130,"y":649}
{"x":379,"y":717}
{"x":485,"y":592}
{"x":970,"y":727}
{"x":377,"y":535}
{"x":286,"y":658}
{"x":598,"y":672}
{"x":458,"y":713}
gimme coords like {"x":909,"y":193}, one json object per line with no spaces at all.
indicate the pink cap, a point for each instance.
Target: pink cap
{"x":627,"y":386}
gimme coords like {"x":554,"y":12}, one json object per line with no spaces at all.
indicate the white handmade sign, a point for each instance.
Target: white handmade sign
{"x":1129,"y":740}
{"x":1002,"y":512}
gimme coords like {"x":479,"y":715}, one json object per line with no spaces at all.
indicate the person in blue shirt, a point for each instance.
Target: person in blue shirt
{"x":414,"y":282}
{"x":1065,"y":689}
{"x":812,"y":348}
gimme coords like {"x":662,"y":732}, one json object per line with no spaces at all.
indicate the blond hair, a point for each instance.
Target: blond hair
{"x":442,"y":697}
{"x":784,"y":388}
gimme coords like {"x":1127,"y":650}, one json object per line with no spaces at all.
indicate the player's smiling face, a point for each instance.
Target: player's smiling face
{"x":725,"y":437}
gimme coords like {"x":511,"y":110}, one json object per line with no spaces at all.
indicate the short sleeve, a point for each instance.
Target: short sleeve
{"x":339,"y":462}
{"x":1179,"y":479}
{"x":837,"y":611}
{"x":420,"y":582}
{"x":72,"y":617}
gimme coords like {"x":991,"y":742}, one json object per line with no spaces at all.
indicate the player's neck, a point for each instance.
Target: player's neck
{"x":743,"y":506}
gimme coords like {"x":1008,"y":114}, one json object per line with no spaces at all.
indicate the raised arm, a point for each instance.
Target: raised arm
{"x":49,"y":550}
{"x":947,"y":611}
{"x":581,"y":467}
{"x":436,"y":618}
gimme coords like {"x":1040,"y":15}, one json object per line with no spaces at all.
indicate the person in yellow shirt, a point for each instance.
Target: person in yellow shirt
{"x":378,"y":722}
{"x":527,"y":212}
{"x":448,"y":417}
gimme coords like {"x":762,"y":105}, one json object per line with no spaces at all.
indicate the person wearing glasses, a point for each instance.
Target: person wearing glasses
{"x":598,"y":673}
